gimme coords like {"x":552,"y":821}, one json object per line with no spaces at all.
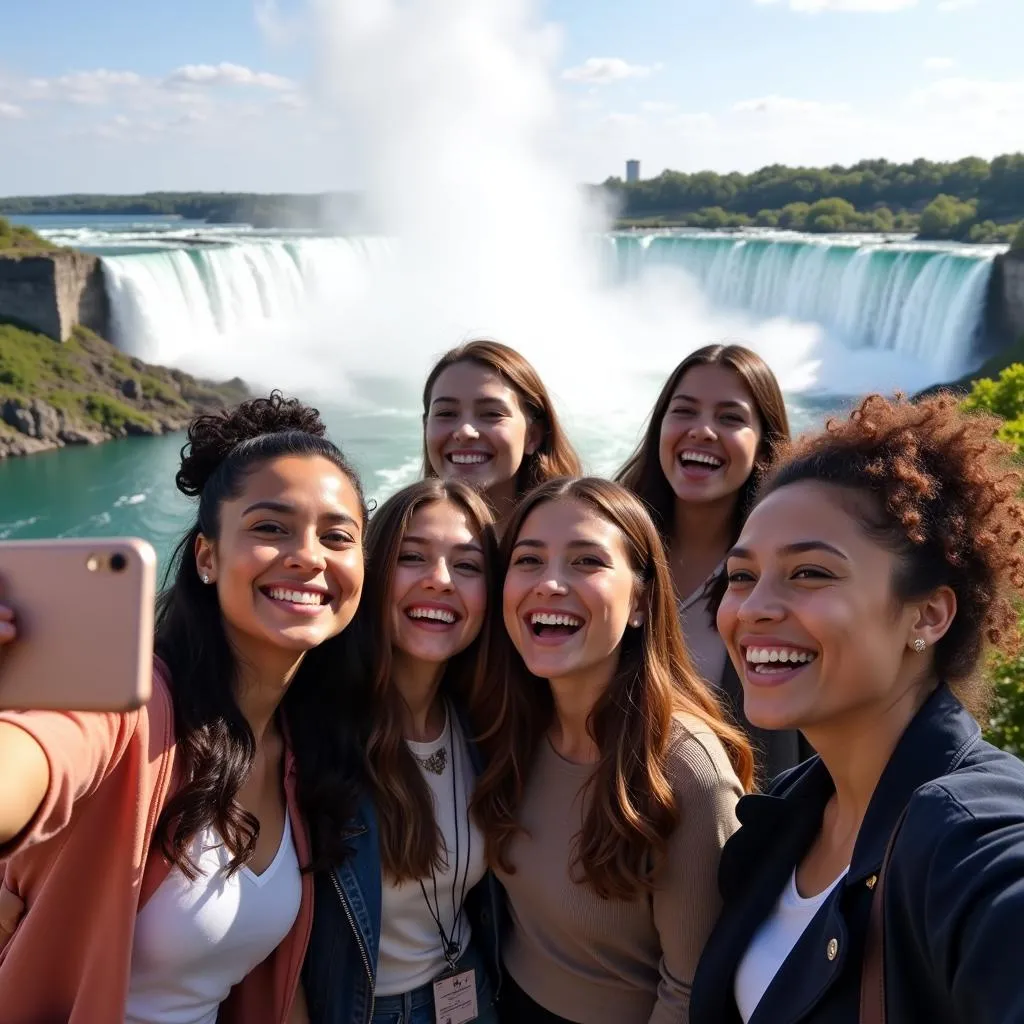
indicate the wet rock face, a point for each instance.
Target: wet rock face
{"x":34,"y":418}
{"x":52,"y":293}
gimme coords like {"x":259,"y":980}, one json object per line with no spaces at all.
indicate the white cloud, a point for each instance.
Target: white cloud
{"x":604,"y":70}
{"x":85,"y":88}
{"x":227,"y":74}
{"x":868,"y":6}
{"x":657,"y":107}
{"x":787,"y":106}
{"x":691,"y":122}
{"x":973,"y":96}
{"x":11,"y":110}
{"x":939,"y":63}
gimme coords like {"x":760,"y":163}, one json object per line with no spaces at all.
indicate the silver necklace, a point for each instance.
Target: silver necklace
{"x":436,"y":762}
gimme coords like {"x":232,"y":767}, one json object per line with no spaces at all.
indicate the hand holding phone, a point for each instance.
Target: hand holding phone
{"x":76,"y":624}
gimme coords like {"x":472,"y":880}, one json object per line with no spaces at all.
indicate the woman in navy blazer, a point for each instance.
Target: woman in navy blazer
{"x":881,"y":557}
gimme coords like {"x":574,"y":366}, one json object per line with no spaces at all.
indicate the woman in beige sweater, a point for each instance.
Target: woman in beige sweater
{"x":612,"y":778}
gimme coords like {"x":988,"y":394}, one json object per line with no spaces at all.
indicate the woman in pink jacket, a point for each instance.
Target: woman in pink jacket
{"x":159,"y":854}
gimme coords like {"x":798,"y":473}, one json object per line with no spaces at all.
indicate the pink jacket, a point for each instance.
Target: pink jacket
{"x":84,"y":868}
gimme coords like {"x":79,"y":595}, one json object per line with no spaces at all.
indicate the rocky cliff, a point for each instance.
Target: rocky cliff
{"x":85,"y":391}
{"x":1010,"y":271}
{"x":52,"y":292}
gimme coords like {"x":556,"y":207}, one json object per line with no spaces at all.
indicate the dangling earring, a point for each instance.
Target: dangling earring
{"x":920,"y":645}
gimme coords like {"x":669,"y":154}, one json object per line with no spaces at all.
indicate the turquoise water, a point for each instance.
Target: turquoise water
{"x":831,"y":319}
{"x":126,"y":488}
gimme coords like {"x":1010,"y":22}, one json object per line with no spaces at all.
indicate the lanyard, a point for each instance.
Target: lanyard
{"x":449,"y":943}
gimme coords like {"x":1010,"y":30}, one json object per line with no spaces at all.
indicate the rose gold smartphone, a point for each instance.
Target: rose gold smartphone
{"x":84,"y":613}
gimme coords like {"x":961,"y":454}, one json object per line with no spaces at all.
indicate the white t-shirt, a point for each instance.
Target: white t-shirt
{"x":410,"y":944}
{"x":773,"y":942}
{"x":194,"y":940}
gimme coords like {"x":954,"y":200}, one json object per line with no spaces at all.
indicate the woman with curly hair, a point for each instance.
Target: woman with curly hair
{"x":613,"y":778}
{"x":884,"y":877}
{"x":161,"y":854}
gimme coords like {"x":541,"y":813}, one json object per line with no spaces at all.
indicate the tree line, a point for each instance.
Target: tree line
{"x":970,"y":199}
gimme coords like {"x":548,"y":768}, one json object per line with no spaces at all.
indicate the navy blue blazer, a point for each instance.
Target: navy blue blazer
{"x":954,"y":895}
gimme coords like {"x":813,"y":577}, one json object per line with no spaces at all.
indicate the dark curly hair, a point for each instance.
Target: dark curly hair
{"x":945,"y":500}
{"x":216,"y":747}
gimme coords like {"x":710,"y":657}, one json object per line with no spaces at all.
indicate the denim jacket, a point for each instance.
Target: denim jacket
{"x":340,"y":971}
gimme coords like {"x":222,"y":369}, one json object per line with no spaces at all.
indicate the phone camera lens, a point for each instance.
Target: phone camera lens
{"x":118,"y":563}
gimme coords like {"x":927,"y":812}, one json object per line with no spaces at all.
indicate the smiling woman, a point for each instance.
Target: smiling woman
{"x":613,"y":778}
{"x":417,"y":874}
{"x":195,"y":816}
{"x":883,"y":557}
{"x":488,"y":420}
{"x":708,"y":443}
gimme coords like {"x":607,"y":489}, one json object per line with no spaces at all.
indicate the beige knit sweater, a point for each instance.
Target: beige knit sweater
{"x":600,"y":961}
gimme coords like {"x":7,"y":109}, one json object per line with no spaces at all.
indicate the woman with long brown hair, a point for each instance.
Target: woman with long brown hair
{"x":489,"y":421}
{"x":412,"y":909}
{"x":612,"y":777}
{"x":708,"y":443}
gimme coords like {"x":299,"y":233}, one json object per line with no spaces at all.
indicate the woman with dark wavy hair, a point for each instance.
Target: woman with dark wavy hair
{"x":161,"y":853}
{"x":409,"y":920}
{"x":708,"y":443}
{"x":612,"y":777}
{"x":489,"y":421}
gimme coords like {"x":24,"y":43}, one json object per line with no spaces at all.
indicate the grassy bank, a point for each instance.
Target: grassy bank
{"x":17,"y":240}
{"x":86,"y":390}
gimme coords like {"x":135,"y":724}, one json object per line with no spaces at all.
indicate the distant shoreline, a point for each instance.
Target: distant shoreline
{"x":967,"y":200}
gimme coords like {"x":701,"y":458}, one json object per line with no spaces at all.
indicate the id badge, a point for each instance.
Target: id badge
{"x":455,"y":998}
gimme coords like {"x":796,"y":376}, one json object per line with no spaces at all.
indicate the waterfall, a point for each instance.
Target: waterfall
{"x":926,"y":303}
{"x":922,"y":303}
{"x":165,"y":302}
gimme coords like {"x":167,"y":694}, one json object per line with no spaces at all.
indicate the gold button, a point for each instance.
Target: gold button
{"x":872,"y":882}
{"x":832,"y":950}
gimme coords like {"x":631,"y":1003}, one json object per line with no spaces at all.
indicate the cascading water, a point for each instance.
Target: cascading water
{"x":925,"y":303}
{"x":922,"y":303}
{"x":165,"y":303}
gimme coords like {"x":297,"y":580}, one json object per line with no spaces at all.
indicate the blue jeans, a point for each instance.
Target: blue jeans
{"x":417,"y":1006}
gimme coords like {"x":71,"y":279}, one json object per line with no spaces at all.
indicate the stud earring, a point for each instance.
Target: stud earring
{"x":636,"y":623}
{"x":206,"y":579}
{"x":919,"y":645}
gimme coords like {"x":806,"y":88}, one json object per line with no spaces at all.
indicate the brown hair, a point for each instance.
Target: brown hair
{"x":944,"y":498}
{"x":642,"y":473}
{"x":633,"y":811}
{"x":554,"y":456}
{"x":410,"y":843}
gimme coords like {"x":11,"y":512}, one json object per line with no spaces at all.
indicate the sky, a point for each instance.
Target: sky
{"x":182,"y":95}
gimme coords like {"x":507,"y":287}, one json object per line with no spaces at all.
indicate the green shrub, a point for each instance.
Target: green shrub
{"x":155,"y":389}
{"x":1006,"y":715}
{"x":1004,"y":397}
{"x":113,"y":414}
